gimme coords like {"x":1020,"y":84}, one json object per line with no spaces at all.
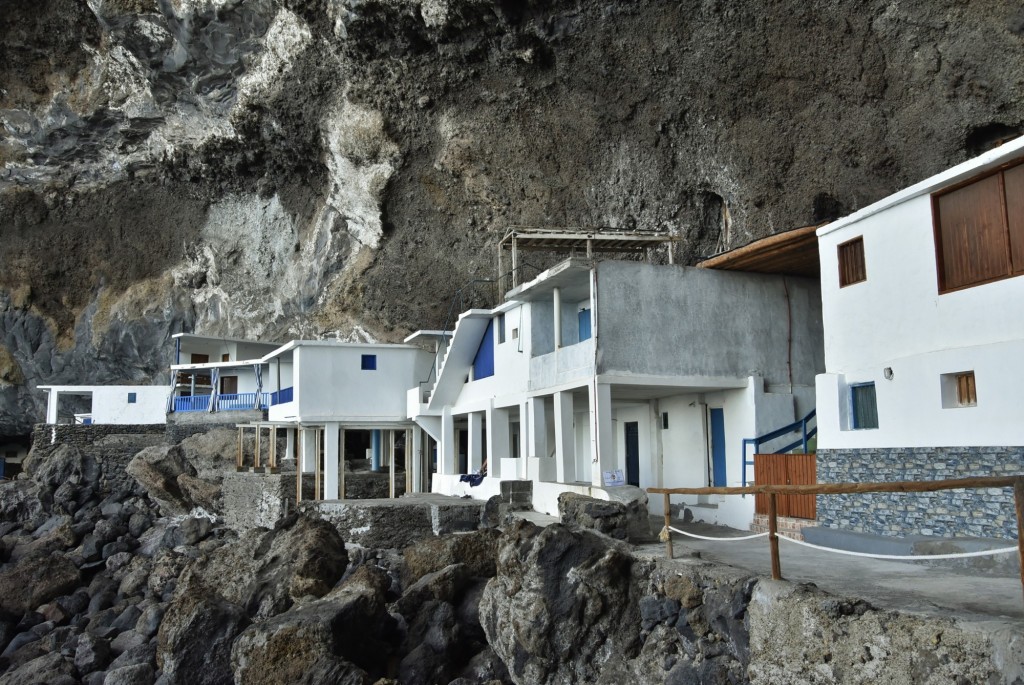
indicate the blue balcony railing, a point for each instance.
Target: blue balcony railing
{"x":281,"y":396}
{"x":234,"y":402}
{"x":192,"y":403}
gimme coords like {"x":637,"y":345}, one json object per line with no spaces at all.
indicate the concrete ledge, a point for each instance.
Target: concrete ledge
{"x":1002,"y":564}
{"x":397,"y":523}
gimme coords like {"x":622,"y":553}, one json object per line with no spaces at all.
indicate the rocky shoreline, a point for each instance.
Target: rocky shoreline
{"x":122,"y":571}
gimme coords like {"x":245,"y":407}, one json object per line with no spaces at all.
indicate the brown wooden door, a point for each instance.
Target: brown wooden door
{"x":787,"y":469}
{"x":229,"y":385}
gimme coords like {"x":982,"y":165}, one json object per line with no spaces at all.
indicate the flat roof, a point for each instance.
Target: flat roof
{"x":790,"y":253}
{"x":571,"y":275}
{"x":994,"y":158}
{"x":217,"y":338}
{"x":427,"y":335}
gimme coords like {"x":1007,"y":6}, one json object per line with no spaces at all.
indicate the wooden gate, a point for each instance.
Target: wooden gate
{"x":787,"y":469}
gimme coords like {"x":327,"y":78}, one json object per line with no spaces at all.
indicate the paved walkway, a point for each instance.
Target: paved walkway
{"x":913,"y":587}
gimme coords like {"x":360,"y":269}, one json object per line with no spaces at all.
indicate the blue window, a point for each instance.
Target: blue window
{"x":863,"y":406}
{"x":585,"y":330}
{"x":483,"y":363}
{"x":131,"y":398}
{"x":368,"y":362}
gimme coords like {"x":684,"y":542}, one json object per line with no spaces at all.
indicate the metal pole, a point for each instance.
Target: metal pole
{"x":668,"y":522}
{"x":773,"y":538}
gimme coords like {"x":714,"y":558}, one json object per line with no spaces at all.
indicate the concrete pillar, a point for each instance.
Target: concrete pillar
{"x":602,"y":437}
{"x":524,"y":440}
{"x":308,"y":437}
{"x":448,"y":446}
{"x":392,"y":439}
{"x":557,"y":293}
{"x":289,"y":443}
{"x":375,"y":440}
{"x":565,"y":439}
{"x":415,"y":458}
{"x":538,"y":427}
{"x":341,"y":463}
{"x":497,"y":441}
{"x":331,"y":434}
{"x":52,"y":399}
{"x":476,"y":441}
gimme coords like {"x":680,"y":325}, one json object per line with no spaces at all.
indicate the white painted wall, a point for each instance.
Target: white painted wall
{"x":110,"y":404}
{"x":330,"y":383}
{"x":511,"y":367}
{"x":898,"y":319}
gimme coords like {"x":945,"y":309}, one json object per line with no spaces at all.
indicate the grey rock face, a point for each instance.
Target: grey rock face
{"x":35,"y":580}
{"x":623,"y":520}
{"x":310,"y":169}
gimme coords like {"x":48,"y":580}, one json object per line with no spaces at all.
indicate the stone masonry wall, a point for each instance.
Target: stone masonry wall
{"x":952,"y":513}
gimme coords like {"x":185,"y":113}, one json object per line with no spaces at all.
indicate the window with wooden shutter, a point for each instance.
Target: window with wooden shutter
{"x":851,"y":262}
{"x":966,"y":392}
{"x":979,"y":230}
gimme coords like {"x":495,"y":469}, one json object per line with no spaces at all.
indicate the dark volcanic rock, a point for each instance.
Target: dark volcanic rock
{"x":195,"y":638}
{"x":35,"y":580}
{"x":581,"y":593}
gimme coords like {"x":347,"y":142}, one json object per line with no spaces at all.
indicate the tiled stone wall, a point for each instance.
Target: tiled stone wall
{"x":985,"y":513}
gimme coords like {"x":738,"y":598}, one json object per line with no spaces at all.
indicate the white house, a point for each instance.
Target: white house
{"x":109,"y":404}
{"x":229,"y":369}
{"x":924,"y":347}
{"x":658,"y":372}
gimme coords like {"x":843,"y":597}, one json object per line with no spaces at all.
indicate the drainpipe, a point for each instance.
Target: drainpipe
{"x":558,"y":317}
{"x":375,"y":445}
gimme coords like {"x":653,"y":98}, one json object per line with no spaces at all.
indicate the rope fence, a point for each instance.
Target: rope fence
{"x":772,"y":491}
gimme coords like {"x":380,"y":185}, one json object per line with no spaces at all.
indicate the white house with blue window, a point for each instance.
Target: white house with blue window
{"x":596,"y":370}
{"x":105,"y":404}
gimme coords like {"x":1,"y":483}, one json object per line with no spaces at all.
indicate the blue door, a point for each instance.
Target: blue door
{"x":718,"y":447}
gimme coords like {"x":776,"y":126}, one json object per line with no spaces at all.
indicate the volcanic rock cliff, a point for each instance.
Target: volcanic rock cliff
{"x":284,"y":168}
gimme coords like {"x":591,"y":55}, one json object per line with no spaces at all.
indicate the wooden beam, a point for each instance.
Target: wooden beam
{"x":773,"y":537}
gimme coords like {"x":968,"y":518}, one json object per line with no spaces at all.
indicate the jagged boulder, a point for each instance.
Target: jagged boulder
{"x":624,"y":517}
{"x":260,"y":575}
{"x":66,"y":464}
{"x":35,"y":580}
{"x":563,"y":604}
{"x":347,"y":637}
{"x":157,"y":470}
{"x":477,"y":551}
{"x":19,"y":500}
{"x":211,"y":452}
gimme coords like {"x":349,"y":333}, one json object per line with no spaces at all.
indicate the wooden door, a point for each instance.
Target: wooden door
{"x":229,"y":385}
{"x":787,"y":469}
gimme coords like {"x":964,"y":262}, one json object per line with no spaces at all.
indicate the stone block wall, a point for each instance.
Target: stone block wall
{"x":985,"y":513}
{"x":112,"y":446}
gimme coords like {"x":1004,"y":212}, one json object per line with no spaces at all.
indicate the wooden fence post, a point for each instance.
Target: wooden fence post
{"x":668,"y":522}
{"x":1018,"y":496}
{"x":773,"y":538}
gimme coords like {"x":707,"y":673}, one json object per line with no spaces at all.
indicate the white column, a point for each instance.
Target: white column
{"x":331,"y":434}
{"x":524,"y":440}
{"x":308,"y":446}
{"x":289,"y":443}
{"x":565,"y":439}
{"x":558,"y":317}
{"x":446,"y":458}
{"x":416,"y":462}
{"x":476,"y":441}
{"x":52,"y":399}
{"x":538,"y":427}
{"x":602,"y":437}
{"x":391,"y":463}
{"x":497,"y":440}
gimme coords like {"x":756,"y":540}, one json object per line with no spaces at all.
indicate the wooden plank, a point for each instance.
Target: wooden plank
{"x":973,"y":234}
{"x":773,"y":538}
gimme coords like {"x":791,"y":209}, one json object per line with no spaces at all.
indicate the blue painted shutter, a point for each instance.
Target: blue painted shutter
{"x":483,"y":363}
{"x":584,"y":317}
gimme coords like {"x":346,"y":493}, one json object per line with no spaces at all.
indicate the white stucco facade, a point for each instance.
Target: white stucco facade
{"x":667,"y":344}
{"x":112,"y":404}
{"x":896,"y":330}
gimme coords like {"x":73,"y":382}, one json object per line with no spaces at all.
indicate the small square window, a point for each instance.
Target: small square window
{"x":515,"y":333}
{"x":368,"y":362}
{"x":851,"y":262}
{"x":863,"y":406}
{"x":959,"y":390}
{"x":131,"y":398}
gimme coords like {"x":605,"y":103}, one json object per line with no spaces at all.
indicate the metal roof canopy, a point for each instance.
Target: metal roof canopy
{"x":573,"y":238}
